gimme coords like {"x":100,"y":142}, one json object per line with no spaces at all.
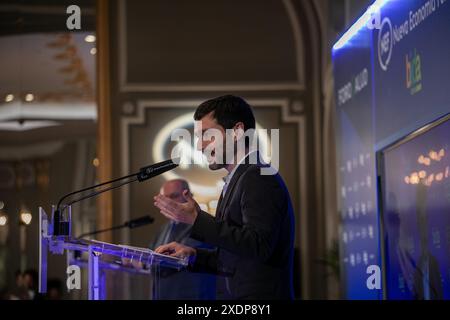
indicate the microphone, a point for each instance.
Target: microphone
{"x":156,"y":169}
{"x":134,"y":223}
{"x":139,"y":222}
{"x":62,"y":228}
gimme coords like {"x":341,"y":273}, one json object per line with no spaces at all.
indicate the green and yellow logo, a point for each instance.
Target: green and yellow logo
{"x":413,"y":73}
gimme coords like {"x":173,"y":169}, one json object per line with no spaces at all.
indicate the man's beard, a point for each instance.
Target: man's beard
{"x":216,"y":166}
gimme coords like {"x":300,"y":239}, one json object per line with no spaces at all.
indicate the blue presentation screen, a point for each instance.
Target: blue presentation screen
{"x":390,"y":80}
{"x":416,"y":216}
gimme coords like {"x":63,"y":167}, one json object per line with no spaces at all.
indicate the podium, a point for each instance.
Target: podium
{"x":101,"y":256}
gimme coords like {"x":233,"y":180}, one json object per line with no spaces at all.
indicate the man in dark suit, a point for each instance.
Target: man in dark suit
{"x":182,"y":285}
{"x":254,"y":225}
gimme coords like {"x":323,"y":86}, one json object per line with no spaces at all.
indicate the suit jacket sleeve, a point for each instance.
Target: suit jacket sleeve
{"x":205,"y":261}
{"x":262,"y":204}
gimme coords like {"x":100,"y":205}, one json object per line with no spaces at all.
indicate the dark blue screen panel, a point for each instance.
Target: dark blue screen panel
{"x":389,"y":82}
{"x":416,"y":216}
{"x":359,"y":235}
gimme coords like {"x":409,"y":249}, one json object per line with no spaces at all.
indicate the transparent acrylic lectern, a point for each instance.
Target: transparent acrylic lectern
{"x":101,"y":256}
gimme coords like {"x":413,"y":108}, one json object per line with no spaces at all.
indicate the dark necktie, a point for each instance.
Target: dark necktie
{"x":219,"y":203}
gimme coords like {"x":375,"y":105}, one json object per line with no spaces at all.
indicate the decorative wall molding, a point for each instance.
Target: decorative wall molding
{"x":125,"y":86}
{"x":48,"y":111}
{"x":298,"y":39}
{"x":128,"y":108}
{"x":297,"y":106}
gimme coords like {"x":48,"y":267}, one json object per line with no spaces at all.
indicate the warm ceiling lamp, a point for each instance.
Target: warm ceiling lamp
{"x":25,"y":217}
{"x":3,"y":220}
{"x":89,"y":38}
{"x":29,"y":97}
{"x":9,"y":97}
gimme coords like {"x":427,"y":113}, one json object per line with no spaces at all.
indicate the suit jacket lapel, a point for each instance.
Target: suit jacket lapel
{"x":219,"y":205}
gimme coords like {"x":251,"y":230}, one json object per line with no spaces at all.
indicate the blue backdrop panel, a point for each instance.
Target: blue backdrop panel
{"x":389,"y":82}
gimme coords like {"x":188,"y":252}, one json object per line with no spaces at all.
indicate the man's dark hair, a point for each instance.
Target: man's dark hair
{"x":228,"y":110}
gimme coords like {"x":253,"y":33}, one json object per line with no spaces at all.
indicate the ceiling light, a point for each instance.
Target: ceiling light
{"x":29,"y":97}
{"x":89,"y":38}
{"x":93,"y":51}
{"x":3,"y":220}
{"x":25,"y":217}
{"x":9,"y":97}
{"x":26,"y":125}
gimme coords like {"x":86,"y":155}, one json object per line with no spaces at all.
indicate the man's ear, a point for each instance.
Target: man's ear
{"x":239,"y":130}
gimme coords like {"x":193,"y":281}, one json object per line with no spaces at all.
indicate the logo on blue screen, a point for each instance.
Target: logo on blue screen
{"x":385,"y":44}
{"x":413,"y":73}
